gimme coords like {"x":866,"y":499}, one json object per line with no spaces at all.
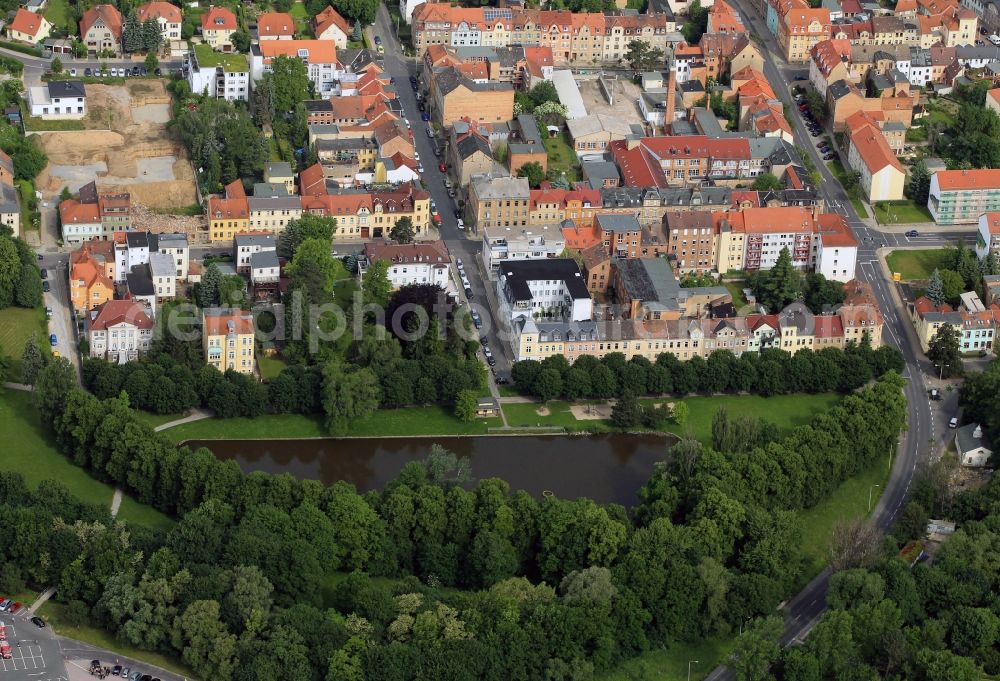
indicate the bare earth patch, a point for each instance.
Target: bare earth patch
{"x":126,"y":148}
{"x":543,"y":411}
{"x":591,"y":412}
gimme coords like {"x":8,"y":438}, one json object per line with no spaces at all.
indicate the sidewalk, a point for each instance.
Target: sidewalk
{"x":196,"y":415}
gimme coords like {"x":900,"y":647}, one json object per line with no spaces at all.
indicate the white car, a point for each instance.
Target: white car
{"x":416,"y":155}
{"x":461,"y":225}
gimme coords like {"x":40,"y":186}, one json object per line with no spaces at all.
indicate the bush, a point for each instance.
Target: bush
{"x":23,"y":49}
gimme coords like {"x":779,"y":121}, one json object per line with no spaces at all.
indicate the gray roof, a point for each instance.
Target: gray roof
{"x":518,"y":274}
{"x":650,"y":280}
{"x":274,"y":203}
{"x":614,"y":222}
{"x":470,"y":144}
{"x":839,"y":88}
{"x":66,"y":88}
{"x":588,"y":125}
{"x":966,"y":441}
{"x":347,"y":143}
{"x":269,"y":190}
{"x":161,"y":265}
{"x":139,"y":282}
{"x":169,"y":240}
{"x":600,"y":170}
{"x":263,"y":259}
{"x":8,"y":199}
{"x":569,"y":93}
{"x":262,"y":240}
{"x":449,"y":79}
{"x":528,"y":128}
{"x":707,"y":122}
{"x":318,"y":105}
{"x":977,"y":52}
{"x":487,"y":187}
{"x":556,"y":331}
{"x":279,"y":168}
{"x":137,"y":239}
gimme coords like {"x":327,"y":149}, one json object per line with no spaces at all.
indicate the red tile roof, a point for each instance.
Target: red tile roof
{"x":218,"y":18}
{"x":118,"y":311}
{"x":317,"y":51}
{"x":330,"y":17}
{"x":217,"y":325}
{"x":72,"y":212}
{"x":275,"y":25}
{"x":160,"y":10}
{"x":110,"y":15}
{"x":26,"y":22}
{"x":954,"y":180}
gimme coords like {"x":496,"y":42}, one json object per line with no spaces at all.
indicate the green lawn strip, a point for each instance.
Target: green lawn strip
{"x":901,"y":212}
{"x":16,"y":325}
{"x":131,"y":511}
{"x":36,"y":458}
{"x":919,"y":264}
{"x":229,"y":61}
{"x":270,"y":367}
{"x":157,"y":419}
{"x":838,"y":172}
{"x":52,"y":613}
{"x":433,"y":420}
{"x":562,"y":158}
{"x":26,"y":192}
{"x":298,"y":12}
{"x":785,"y":411}
{"x":735,"y":289}
{"x":671,"y":663}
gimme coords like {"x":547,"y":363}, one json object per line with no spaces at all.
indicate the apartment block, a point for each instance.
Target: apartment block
{"x":961,"y":196}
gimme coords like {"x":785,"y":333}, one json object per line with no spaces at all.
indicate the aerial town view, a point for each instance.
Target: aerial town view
{"x":500,"y":340}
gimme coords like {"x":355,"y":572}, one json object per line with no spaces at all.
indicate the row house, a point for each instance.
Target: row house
{"x":868,"y":152}
{"x":802,"y":27}
{"x":974,"y":323}
{"x":273,"y":213}
{"x":574,"y":38}
{"x":988,"y":235}
{"x":685,"y":159}
{"x":894,"y":104}
{"x":91,"y":275}
{"x":228,"y":214}
{"x":830,"y":61}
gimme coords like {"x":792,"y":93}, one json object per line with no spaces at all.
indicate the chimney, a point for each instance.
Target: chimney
{"x":668,"y":117}
{"x":978,"y":432}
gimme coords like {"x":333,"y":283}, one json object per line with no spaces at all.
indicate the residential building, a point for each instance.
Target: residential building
{"x":132,"y":250}
{"x":504,"y":244}
{"x":961,"y":196}
{"x":228,"y":340}
{"x":220,"y":75}
{"x":988,"y":235}
{"x":975,"y":326}
{"x":836,"y":248}
{"x":139,"y":287}
{"x":80,"y":222}
{"x":166,"y":14}
{"x":217,"y":27}
{"x":115,"y":211}
{"x":58,"y":100}
{"x":592,"y":134}
{"x":273,"y":213}
{"x":28,"y":27}
{"x":163,"y":272}
{"x":275,"y":26}
{"x":280,"y":172}
{"x":319,"y":56}
{"x":364,"y":214}
{"x":91,"y":275}
{"x":265,"y":271}
{"x":456,"y":97}
{"x":801,"y":28}
{"x":425,"y":262}
{"x":551,"y":288}
{"x":868,"y":152}
{"x":174,"y":245}
{"x":692,"y":241}
{"x":246,"y":245}
{"x":101,"y":29}
{"x":993,"y":100}
{"x":229,"y":214}
{"x":499,"y":202}
{"x":470,"y":154}
{"x":120,"y":331}
{"x":972,"y":446}
{"x":10,"y":208}
{"x":329,"y":25}
{"x":646,"y":288}
{"x":525,"y":145}
{"x":830,"y":62}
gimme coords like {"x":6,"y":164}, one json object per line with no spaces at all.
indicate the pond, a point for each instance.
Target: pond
{"x":605,"y":468}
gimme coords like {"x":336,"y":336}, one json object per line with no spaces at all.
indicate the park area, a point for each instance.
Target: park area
{"x":901,"y":212}
{"x":124,"y":145}
{"x":16,"y":326}
{"x":918,"y":265}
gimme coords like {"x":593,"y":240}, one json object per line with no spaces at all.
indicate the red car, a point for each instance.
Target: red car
{"x":14,"y":608}
{"x":436,"y":218}
{"x":442,"y":167}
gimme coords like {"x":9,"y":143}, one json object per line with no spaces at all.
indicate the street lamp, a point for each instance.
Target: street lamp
{"x":690,"y":662}
{"x":870,"y":489}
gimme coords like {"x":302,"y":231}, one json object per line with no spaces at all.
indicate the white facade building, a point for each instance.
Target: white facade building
{"x":319,"y":56}
{"x":505,"y":244}
{"x":58,"y":100}
{"x":120,"y":330}
{"x":248,"y":244}
{"x":551,"y":288}
{"x":425,"y":262}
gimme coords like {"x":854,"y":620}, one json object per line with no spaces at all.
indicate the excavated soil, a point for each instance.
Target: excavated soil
{"x":125,"y":148}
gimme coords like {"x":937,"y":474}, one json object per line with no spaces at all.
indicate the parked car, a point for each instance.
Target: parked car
{"x":46,"y":287}
{"x":468,"y":294}
{"x":458,"y":261}
{"x":88,"y":72}
{"x":378,"y":40}
{"x":437,"y":150}
{"x":443,"y":168}
{"x":953,"y":423}
{"x":116,"y":670}
{"x":4,"y":604}
{"x":53,"y":341}
{"x":125,"y":672}
{"x":48,"y":311}
{"x":430,"y":133}
{"x":45,"y":273}
{"x":424,"y":116}
{"x":935,"y":394}
{"x":15,"y":607}
{"x":829,"y":157}
{"x":461,"y":223}
{"x":38,"y":622}
{"x":458,"y":213}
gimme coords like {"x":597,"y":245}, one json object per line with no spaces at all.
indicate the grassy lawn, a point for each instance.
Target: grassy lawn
{"x":157,"y":419}
{"x":193,"y":209}
{"x":671,"y":664}
{"x":229,"y":61}
{"x":37,"y":459}
{"x":298,"y":12}
{"x":270,"y":367}
{"x":562,"y":158}
{"x":16,"y":326}
{"x":52,"y":613}
{"x":736,"y":290}
{"x":383,"y":423}
{"x":26,"y":193}
{"x":35,"y":124}
{"x":901,"y":212}
{"x":838,"y":172}
{"x":786,"y":411}
{"x":919,"y":264}
{"x":57,"y":13}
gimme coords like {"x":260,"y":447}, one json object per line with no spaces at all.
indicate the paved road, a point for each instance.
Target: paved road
{"x":804,"y":610}
{"x":78,"y":656}
{"x":35,"y":654}
{"x":35,"y":67}
{"x":61,"y":323}
{"x":459,"y":243}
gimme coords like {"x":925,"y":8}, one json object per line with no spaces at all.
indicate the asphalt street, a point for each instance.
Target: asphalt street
{"x":78,"y":656}
{"x":61,"y":323}
{"x":805,"y":609}
{"x":34,"y":67}
{"x":35,"y":654}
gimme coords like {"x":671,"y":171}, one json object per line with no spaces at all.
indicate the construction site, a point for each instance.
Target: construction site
{"x":126,"y":148}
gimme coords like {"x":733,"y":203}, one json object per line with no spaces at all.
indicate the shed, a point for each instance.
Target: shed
{"x":487,"y":407}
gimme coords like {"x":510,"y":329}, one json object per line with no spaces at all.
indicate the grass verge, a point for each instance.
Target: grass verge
{"x":53,"y":614}
{"x":562,"y":158}
{"x":838,"y":172}
{"x":433,"y":420}
{"x":900,"y":212}
{"x":919,"y":264}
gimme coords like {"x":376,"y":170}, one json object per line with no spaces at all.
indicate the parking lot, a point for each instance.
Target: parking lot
{"x":34,"y":652}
